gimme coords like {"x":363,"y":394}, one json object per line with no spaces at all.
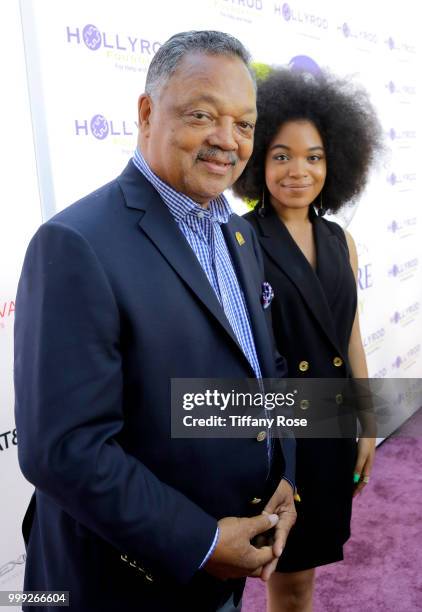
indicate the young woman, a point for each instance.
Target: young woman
{"x":315,"y":140}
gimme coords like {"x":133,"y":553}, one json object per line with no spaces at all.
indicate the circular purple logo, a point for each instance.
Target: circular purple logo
{"x":392,"y":179}
{"x":392,"y":133}
{"x":395,"y":270}
{"x":304,"y":63}
{"x":346,"y":30}
{"x":396,"y":317}
{"x":92,"y":37}
{"x":394,"y":226}
{"x":391,"y":87}
{"x":390,"y":42}
{"x":287,"y":13}
{"x":397,"y":362}
{"x":99,"y":127}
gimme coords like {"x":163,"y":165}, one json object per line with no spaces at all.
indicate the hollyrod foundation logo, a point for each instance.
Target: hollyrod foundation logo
{"x":406,"y":360}
{"x":403,"y":180}
{"x":7,"y":311}
{"x":382,"y":373}
{"x":394,"y":45}
{"x":405,"y":270}
{"x":355,"y":33}
{"x":406,"y":316}
{"x":403,"y":228}
{"x":401,"y":135}
{"x":100,"y":128}
{"x":301,"y":18}
{"x":130,"y":52}
{"x":402,"y":89}
{"x":373,"y":341}
{"x":240,"y":10}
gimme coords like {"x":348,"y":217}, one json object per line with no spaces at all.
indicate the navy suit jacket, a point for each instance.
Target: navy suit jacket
{"x":112,"y":303}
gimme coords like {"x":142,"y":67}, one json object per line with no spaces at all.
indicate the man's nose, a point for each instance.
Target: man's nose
{"x":223,"y":136}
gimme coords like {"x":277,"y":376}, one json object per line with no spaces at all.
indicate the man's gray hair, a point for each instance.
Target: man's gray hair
{"x":170,"y":54}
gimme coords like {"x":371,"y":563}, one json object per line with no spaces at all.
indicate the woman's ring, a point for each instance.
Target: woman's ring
{"x":365,"y":479}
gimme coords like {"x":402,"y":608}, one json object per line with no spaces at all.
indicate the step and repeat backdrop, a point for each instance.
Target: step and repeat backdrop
{"x":74,"y":70}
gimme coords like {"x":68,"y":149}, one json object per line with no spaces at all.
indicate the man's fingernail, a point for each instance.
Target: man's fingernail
{"x":273,"y":519}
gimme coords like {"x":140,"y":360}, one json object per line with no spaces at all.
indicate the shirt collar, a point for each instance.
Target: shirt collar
{"x":181,"y":205}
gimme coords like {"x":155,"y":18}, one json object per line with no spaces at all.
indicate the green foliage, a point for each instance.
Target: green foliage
{"x":261,"y":70}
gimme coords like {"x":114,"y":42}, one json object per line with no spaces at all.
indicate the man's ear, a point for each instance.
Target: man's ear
{"x":144,"y":113}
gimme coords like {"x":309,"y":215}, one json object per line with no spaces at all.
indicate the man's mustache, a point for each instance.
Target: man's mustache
{"x":214,"y":154}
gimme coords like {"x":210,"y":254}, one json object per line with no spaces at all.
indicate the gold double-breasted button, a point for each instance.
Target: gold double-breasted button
{"x":303,"y":366}
{"x":261,"y":436}
{"x":256,"y":500}
{"x":304,"y":404}
{"x":337,"y":362}
{"x":339,"y":399}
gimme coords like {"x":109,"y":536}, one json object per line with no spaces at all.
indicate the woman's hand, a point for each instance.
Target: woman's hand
{"x":365,"y":459}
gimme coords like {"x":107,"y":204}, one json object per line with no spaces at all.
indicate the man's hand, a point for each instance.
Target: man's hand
{"x":234,"y":555}
{"x":282,"y":504}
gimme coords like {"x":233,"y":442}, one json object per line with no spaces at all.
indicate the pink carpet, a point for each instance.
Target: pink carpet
{"x":382,"y":569}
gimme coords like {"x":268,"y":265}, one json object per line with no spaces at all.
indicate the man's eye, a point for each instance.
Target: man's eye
{"x":245,"y":125}
{"x":200,"y":116}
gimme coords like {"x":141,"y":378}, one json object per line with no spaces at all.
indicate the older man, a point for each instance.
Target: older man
{"x":150,"y":278}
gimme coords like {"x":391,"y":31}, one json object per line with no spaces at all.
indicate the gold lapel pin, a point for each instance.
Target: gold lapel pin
{"x":240,"y":238}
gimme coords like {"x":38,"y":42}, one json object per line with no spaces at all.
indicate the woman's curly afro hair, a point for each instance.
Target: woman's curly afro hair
{"x":344,"y":117}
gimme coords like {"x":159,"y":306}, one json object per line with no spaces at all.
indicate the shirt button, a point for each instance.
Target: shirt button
{"x":339,"y":399}
{"x":303,"y":366}
{"x":337,"y":361}
{"x":256,"y":500}
{"x":201,"y":215}
{"x":261,"y":436}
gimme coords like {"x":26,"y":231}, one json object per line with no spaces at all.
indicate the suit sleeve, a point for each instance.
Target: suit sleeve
{"x":69,"y":411}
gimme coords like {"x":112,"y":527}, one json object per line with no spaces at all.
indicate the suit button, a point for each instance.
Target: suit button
{"x":304,"y":404}
{"x":303,"y":366}
{"x":339,"y":399}
{"x":338,"y":361}
{"x":261,"y":436}
{"x":149,"y":578}
{"x":256,"y":500}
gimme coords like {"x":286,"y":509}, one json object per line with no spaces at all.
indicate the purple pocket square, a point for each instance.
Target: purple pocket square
{"x":267,"y":295}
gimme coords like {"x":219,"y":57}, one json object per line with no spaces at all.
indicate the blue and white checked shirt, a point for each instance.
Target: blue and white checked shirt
{"x":202,"y":229}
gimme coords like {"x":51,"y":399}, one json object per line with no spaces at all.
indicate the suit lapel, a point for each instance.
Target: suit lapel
{"x":243,"y":260}
{"x":284,"y":252}
{"x":158,"y":224}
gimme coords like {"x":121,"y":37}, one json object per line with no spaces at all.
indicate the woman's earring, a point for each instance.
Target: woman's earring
{"x":321,"y":209}
{"x":261,"y":209}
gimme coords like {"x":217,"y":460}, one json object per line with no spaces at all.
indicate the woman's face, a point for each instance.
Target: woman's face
{"x":295,"y":165}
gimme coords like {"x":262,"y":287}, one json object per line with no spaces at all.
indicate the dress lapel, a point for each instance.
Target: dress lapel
{"x":160,"y":227}
{"x":284,"y":252}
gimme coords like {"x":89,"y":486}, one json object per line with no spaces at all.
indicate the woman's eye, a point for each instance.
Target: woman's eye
{"x":315,"y":158}
{"x":280,"y":157}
